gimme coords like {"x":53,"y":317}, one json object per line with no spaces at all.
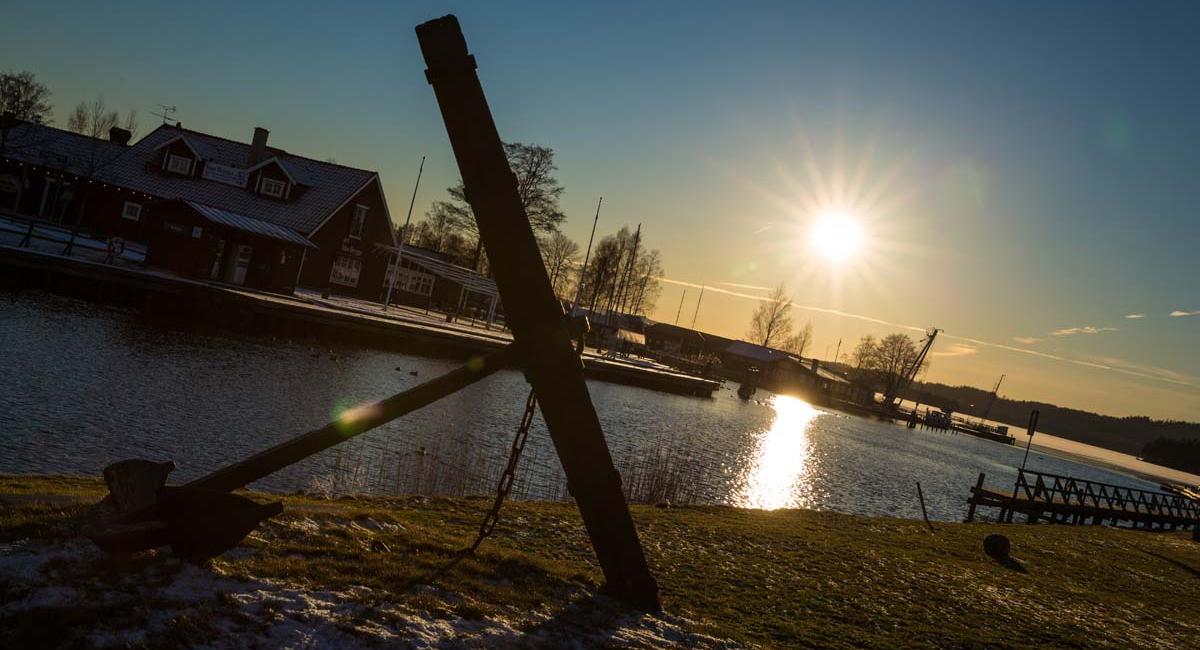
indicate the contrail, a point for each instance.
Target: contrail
{"x":914,"y":328}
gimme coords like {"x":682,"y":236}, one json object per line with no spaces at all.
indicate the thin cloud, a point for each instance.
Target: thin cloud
{"x":1179,"y":313}
{"x":1124,"y":368}
{"x":821,"y":310}
{"x":1135,"y":316}
{"x":956,"y":350}
{"x":1027,"y":340}
{"x":1086,"y":329}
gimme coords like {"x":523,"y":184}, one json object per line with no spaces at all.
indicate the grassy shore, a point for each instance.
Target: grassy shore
{"x":728,"y":577}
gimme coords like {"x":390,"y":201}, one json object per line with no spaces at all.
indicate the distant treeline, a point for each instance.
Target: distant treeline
{"x":1179,"y":453}
{"x":1128,"y":434}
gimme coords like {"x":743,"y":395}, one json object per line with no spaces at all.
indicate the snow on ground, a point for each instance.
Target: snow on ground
{"x":52,"y":240}
{"x":162,"y":598}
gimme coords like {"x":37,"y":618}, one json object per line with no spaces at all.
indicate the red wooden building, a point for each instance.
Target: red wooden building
{"x":338,"y":213}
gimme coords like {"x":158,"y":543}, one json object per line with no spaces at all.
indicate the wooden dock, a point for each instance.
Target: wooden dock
{"x":1066,"y":500}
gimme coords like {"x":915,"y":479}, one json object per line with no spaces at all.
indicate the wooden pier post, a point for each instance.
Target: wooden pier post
{"x":974,"y":496}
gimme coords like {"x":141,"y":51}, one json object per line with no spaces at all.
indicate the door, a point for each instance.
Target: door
{"x":219,"y":248}
{"x":235,"y":269}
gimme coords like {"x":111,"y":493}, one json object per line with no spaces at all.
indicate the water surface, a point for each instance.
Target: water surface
{"x":83,"y":385}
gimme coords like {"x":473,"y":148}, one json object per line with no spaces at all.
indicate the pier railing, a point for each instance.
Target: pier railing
{"x":1054,"y":489}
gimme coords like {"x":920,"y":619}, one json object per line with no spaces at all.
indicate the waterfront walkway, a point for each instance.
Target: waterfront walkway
{"x":40,"y":262}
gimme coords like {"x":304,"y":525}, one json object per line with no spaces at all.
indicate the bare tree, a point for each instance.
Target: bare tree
{"x":23,"y":97}
{"x":534,"y":167}
{"x":885,"y":362}
{"x":645,"y":287}
{"x":95,"y":119}
{"x":798,"y":343}
{"x":560,"y":255}
{"x":772,"y":321}
{"x":866,"y":354}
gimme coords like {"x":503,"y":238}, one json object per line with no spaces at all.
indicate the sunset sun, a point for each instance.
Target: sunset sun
{"x":836,"y":236}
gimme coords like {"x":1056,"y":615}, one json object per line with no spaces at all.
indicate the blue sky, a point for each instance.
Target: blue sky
{"x":1023,"y":168}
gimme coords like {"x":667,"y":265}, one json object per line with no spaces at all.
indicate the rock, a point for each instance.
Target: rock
{"x":996,"y":546}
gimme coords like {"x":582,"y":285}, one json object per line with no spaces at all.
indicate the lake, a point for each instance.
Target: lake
{"x":83,"y":385}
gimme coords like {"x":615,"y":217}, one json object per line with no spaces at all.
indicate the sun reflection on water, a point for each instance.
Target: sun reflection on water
{"x":775,"y":478}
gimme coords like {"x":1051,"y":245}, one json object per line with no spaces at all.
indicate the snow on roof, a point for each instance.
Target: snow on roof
{"x":328,"y":186}
{"x":441,"y":268}
{"x":247,"y":224}
{"x":46,"y":146}
{"x":756,"y":352}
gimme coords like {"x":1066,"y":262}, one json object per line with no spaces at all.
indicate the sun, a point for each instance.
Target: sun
{"x":836,"y":236}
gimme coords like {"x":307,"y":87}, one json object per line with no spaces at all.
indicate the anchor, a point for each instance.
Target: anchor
{"x":202,"y":518}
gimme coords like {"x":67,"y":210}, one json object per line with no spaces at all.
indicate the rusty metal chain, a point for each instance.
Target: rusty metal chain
{"x":504,"y":486}
{"x":506,"y":479}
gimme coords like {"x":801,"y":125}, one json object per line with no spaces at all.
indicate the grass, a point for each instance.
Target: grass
{"x":781,"y":578}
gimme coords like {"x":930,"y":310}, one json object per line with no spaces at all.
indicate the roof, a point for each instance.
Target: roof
{"x":328,"y":186}
{"x":631,"y":337}
{"x":247,"y":224}
{"x":756,"y":352}
{"x":46,"y":146}
{"x":443,"y":269}
{"x":667,"y":330}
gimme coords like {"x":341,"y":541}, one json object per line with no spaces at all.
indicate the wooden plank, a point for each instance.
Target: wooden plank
{"x":534,"y":313}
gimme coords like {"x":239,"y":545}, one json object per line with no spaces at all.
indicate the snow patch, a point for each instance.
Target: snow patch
{"x":162,"y":591}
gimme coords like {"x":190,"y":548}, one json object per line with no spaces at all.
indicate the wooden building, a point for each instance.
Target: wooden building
{"x":208,"y":243}
{"x":52,"y":175}
{"x":341,"y":211}
{"x":429,"y":279}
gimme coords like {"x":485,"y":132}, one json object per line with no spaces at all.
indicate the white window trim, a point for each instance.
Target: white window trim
{"x":137,"y":216}
{"x":336,"y":279}
{"x":171,"y":158}
{"x":354,"y":219}
{"x":263,"y":182}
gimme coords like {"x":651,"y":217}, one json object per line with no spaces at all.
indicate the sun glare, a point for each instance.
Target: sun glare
{"x":835,"y":236}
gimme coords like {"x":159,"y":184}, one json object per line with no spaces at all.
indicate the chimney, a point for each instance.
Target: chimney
{"x":258,"y":146}
{"x":119,"y":135}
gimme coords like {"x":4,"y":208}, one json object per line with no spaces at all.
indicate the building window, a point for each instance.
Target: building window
{"x":358,"y":222}
{"x":413,"y":281}
{"x":345,"y":271}
{"x":132,"y":211}
{"x":272,"y":187}
{"x":179,"y":164}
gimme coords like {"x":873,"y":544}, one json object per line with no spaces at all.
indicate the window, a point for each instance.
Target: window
{"x":272,"y":187}
{"x":413,"y":281}
{"x":132,"y":211}
{"x":179,"y":164}
{"x":345,"y":271}
{"x":358,"y":222}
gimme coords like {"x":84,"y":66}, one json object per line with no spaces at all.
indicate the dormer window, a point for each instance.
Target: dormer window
{"x":181,"y":165}
{"x":272,"y":187}
{"x":358,"y":222}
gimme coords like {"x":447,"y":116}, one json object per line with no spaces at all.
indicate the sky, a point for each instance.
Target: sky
{"x":1025,"y":175}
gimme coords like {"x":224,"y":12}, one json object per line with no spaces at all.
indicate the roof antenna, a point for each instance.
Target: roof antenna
{"x":167,"y":112}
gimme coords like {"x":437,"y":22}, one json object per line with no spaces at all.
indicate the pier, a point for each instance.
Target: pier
{"x":1066,"y":500}
{"x":191,"y":303}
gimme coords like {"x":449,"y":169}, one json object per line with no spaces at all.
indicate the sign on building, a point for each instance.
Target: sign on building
{"x":225,"y":174}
